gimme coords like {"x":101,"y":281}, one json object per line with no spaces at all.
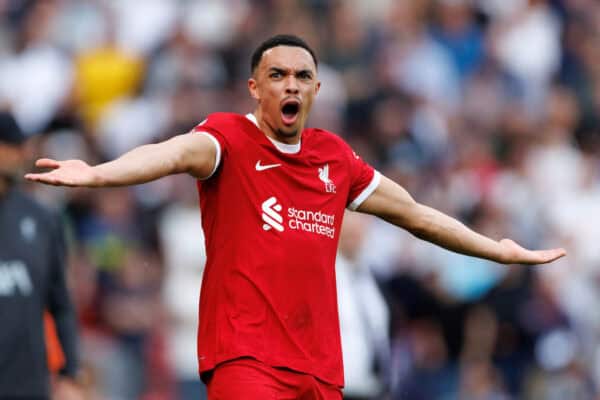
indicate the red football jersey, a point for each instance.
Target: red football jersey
{"x":272,"y":221}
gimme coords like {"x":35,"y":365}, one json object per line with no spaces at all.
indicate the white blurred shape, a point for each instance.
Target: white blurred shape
{"x":556,"y":349}
{"x":426,"y":70}
{"x":35,"y":82}
{"x":530,"y":47}
{"x":214,"y":23}
{"x":144,"y":25}
{"x":182,"y":242}
{"x":330,"y":102}
{"x":131,"y":122}
{"x":79,"y":26}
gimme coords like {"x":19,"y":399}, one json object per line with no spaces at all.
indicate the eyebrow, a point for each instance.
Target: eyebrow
{"x":285,"y":71}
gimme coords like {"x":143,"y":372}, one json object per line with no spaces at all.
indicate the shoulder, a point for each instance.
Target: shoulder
{"x":324,"y":139}
{"x":228,"y":131}
{"x":24,"y":201}
{"x":225,"y":126}
{"x":323,"y":135}
{"x":222,"y":119}
{"x":25,"y":204}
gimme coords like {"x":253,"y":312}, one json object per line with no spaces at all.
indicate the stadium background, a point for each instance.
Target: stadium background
{"x":485,"y":109}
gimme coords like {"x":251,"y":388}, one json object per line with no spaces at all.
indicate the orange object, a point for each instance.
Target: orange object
{"x":54,"y":351}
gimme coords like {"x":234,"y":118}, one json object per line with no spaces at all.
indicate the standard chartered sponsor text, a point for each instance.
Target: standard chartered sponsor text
{"x":311,"y":221}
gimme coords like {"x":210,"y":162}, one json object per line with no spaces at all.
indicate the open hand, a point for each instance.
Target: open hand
{"x":64,"y":173}
{"x":512,"y":253}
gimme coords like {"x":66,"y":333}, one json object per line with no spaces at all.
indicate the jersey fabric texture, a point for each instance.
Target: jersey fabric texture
{"x":272,"y":221}
{"x":32,"y":280}
{"x":256,"y":381}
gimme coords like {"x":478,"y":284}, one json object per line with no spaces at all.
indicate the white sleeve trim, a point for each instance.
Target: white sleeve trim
{"x":367,"y":192}
{"x":217,"y":155}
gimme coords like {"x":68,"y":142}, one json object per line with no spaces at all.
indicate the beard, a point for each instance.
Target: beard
{"x":287,"y":134}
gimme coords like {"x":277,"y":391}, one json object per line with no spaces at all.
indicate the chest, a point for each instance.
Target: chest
{"x":298,"y":197}
{"x":309,"y":177}
{"x":25,"y":253}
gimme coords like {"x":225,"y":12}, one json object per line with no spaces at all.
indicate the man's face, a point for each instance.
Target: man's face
{"x":12,"y":159}
{"x":285,"y":84}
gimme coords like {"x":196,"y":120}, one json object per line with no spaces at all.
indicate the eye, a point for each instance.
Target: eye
{"x":305,"y":75}
{"x":275,"y":75}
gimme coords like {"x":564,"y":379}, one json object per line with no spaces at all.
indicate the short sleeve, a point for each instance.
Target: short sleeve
{"x":209,"y":128}
{"x":364,"y":179}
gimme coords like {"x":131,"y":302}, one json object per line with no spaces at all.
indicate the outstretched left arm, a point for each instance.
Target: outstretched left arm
{"x":394,"y":204}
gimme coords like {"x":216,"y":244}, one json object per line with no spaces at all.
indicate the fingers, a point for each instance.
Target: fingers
{"x":47,"y":163}
{"x":543,"y":256}
{"x":44,"y":178}
{"x":33,"y":177}
{"x":519,"y":255}
{"x":48,"y":178}
{"x":553,"y":254}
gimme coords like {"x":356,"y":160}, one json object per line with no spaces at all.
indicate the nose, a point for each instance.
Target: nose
{"x":291,"y":85}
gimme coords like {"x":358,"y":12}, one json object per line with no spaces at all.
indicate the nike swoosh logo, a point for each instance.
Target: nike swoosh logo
{"x":260,"y":167}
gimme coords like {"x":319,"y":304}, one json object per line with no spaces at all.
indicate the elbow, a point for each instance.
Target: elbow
{"x":193,"y":161}
{"x":198,"y":169}
{"x":180,"y":163}
{"x":176,"y":155}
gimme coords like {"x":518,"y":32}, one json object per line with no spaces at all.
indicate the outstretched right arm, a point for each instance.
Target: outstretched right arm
{"x":191,"y":153}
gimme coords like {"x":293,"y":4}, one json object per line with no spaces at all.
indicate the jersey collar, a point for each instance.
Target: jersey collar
{"x":282,"y":147}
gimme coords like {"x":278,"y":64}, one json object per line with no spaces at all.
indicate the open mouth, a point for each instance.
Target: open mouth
{"x":290,"y":111}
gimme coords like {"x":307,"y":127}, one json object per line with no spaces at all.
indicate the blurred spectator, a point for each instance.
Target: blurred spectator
{"x":105,"y":74}
{"x":561,"y":375}
{"x":143,"y":32}
{"x":428,"y":372}
{"x":36,"y":79}
{"x":364,"y":317}
{"x":417,"y":63}
{"x":130,"y":309}
{"x":458,"y":32}
{"x":184,"y":62}
{"x":39,"y":332}
{"x":182,"y":242}
{"x":526,"y":42}
{"x":480,"y":381}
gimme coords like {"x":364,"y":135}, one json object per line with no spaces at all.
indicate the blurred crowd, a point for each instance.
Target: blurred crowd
{"x":488,"y":110}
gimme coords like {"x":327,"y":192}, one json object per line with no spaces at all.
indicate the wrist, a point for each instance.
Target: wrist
{"x":499,"y":255}
{"x":98,"y":176}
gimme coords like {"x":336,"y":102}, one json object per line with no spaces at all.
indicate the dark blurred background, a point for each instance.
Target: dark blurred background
{"x":485,"y":109}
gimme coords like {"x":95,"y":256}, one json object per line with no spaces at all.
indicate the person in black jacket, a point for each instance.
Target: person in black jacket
{"x":32,"y":280}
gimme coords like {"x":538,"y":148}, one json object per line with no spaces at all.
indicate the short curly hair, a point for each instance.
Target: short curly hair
{"x":279,"y":40}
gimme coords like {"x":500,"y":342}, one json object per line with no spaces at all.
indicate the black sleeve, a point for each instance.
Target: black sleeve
{"x":59,"y":301}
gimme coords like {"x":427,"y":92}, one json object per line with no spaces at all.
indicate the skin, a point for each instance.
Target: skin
{"x":12,"y":158}
{"x":67,"y":389}
{"x":286,"y":73}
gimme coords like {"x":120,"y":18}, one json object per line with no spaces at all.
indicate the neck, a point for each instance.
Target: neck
{"x":275,"y":134}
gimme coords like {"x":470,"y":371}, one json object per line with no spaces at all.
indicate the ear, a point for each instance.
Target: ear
{"x":253,"y":88}
{"x":317,"y":87}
